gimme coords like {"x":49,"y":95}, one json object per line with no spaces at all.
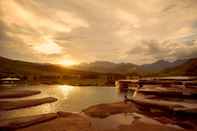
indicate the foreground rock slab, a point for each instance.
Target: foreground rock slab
{"x":61,"y":121}
{"x":167,"y":106}
{"x":17,"y":93}
{"x":105,"y":110}
{"x":16,"y":104}
{"x":98,"y":113}
{"x":173,"y":92}
{"x":141,"y":126}
{"x":15,"y":123}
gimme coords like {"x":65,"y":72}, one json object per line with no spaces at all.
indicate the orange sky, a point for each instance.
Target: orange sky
{"x":69,"y":32}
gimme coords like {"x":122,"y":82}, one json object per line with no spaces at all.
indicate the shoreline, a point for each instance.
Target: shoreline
{"x":85,"y":121}
{"x":117,"y":116}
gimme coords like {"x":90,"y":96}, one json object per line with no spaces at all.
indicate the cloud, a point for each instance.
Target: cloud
{"x":154,"y":50}
{"x":135,"y":31}
{"x":3,"y":33}
{"x":48,"y":47}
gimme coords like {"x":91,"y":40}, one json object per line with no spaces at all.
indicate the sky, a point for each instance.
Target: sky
{"x":72,"y":31}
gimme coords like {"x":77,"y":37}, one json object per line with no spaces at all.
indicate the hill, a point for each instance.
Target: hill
{"x":36,"y":73}
{"x":21,"y":68}
{"x":189,"y":68}
{"x":109,"y":67}
{"x":128,"y":68}
{"x":161,"y":65}
{"x":9,"y":66}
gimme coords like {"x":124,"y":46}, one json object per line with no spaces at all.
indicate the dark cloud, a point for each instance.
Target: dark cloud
{"x":167,"y":50}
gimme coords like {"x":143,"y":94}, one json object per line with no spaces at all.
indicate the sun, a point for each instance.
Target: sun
{"x":67,"y":62}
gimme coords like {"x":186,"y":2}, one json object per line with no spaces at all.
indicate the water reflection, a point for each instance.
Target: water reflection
{"x":117,"y":120}
{"x":70,"y":98}
{"x":112,"y":122}
{"x":64,"y":90}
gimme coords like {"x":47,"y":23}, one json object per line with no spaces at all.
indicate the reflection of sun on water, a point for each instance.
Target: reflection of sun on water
{"x":65,"y":90}
{"x":46,"y":108}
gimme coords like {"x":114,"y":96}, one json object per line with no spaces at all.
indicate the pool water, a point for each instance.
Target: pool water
{"x":70,"y":98}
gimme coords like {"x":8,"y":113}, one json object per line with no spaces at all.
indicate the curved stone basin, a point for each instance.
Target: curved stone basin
{"x":60,"y":121}
{"x":105,"y":110}
{"x":13,"y":93}
{"x":16,"y":104}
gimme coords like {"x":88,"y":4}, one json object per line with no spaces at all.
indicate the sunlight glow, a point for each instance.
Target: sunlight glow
{"x":67,"y":62}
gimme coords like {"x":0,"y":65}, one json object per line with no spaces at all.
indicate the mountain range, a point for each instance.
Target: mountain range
{"x":178,"y":67}
{"x":9,"y":66}
{"x":108,"y":67}
{"x":188,"y":68}
{"x":125,"y":68}
{"x":161,"y":65}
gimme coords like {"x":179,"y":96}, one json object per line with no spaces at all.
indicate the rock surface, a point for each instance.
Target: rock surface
{"x":25,"y":121}
{"x":9,"y":105}
{"x":105,"y":110}
{"x":64,"y":122}
{"x":141,"y":126}
{"x":10,"y":93}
